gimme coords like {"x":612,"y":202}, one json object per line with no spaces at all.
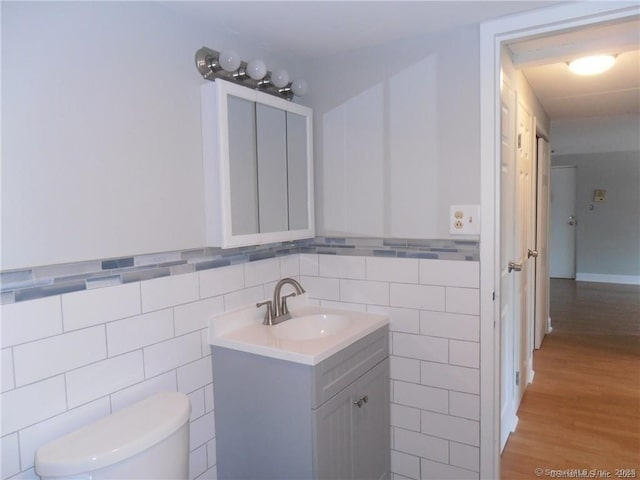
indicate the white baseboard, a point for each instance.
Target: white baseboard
{"x":514,"y":425}
{"x":604,"y":278}
{"x":530,"y":372}
{"x":507,"y":428}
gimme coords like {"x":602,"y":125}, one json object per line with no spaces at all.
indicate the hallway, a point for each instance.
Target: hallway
{"x":583,"y":409}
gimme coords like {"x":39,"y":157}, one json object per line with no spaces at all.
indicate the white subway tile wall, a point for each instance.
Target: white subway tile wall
{"x":193,"y":316}
{"x":35,"y":319}
{"x":169,"y":291}
{"x":119,"y":345}
{"x":6,"y":375}
{"x":342,"y":266}
{"x":94,"y":307}
{"x":137,"y":339}
{"x":10,"y":455}
{"x":61,"y":353}
{"x":259,"y":273}
{"x":435,"y":334}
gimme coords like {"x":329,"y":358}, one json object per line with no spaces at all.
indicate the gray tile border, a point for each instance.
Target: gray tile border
{"x":43,"y":281}
{"x":99,"y":282}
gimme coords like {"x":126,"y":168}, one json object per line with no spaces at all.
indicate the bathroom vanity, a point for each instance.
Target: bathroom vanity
{"x":302,"y":401}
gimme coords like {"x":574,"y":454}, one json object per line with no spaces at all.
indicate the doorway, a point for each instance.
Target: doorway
{"x":493,"y":35}
{"x":562,"y":234}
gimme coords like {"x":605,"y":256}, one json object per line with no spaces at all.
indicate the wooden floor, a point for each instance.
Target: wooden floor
{"x":582,"y":410}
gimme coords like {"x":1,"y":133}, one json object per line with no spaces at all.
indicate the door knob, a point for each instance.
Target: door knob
{"x":361,"y":401}
{"x":572,"y":220}
{"x":517,"y":266}
{"x":532,"y":253}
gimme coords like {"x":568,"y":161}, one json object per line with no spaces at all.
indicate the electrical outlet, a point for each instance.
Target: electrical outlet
{"x":464,"y":220}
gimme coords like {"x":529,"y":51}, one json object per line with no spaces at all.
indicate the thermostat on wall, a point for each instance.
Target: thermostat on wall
{"x":599,"y":195}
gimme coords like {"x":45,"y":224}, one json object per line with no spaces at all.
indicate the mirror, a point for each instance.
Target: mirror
{"x":271,"y":128}
{"x":258,"y":167}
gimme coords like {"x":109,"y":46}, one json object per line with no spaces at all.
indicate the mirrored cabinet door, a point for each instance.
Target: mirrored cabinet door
{"x":271,"y":128}
{"x":243,"y":171}
{"x":258,"y":169}
{"x":297,"y":171}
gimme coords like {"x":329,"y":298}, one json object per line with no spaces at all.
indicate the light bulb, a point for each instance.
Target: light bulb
{"x":299,"y":87}
{"x":280,"y":78}
{"x":592,"y":65}
{"x":229,"y":60}
{"x":256,"y":69}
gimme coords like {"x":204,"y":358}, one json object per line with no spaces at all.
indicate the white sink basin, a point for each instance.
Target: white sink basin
{"x":311,"y":327}
{"x":311,"y":336}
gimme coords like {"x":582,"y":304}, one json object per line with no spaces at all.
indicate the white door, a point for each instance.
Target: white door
{"x":517,"y":237}
{"x":524,"y":243}
{"x":508,"y":312}
{"x":563,"y":223}
{"x":542,"y":244}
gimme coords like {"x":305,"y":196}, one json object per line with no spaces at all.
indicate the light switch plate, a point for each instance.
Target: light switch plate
{"x":464,"y":220}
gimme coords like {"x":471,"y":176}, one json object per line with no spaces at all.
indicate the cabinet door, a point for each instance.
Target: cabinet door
{"x":371,"y":426}
{"x":353,"y":435}
{"x":271,"y":133}
{"x":333,"y":437}
{"x":258,"y":167}
{"x":297,"y":164}
{"x":243,"y":165}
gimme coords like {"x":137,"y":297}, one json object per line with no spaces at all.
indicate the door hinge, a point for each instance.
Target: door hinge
{"x":519,"y":140}
{"x":493,"y":296}
{"x":517,"y":379}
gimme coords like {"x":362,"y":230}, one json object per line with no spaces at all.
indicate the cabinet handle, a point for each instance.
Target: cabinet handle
{"x":361,"y":401}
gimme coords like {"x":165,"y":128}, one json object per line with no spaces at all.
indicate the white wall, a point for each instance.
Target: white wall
{"x":396,"y":136}
{"x":606,"y":152}
{"x":101,"y":142}
{"x":526,"y":95}
{"x":614,"y":255}
{"x":70,"y":359}
{"x":596,"y":135}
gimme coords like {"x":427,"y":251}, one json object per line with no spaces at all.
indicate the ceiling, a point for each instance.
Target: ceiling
{"x":565,"y":95}
{"x":315,"y":29}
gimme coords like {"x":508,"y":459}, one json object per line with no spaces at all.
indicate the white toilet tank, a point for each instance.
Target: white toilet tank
{"x":147,"y":440}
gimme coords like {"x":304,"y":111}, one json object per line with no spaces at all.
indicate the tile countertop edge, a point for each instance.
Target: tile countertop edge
{"x":247,"y":316}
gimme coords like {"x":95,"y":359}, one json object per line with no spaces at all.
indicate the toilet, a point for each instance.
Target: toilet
{"x":147,"y":440}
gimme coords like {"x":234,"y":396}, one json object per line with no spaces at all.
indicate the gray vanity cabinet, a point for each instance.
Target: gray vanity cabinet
{"x":277,"y":419}
{"x":351,"y":440}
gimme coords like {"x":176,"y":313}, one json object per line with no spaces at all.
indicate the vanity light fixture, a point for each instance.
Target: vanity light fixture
{"x":592,"y":65}
{"x":254,"y":74}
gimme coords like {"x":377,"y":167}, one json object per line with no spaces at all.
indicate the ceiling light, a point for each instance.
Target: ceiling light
{"x":229,"y":60}
{"x":592,"y":65}
{"x":256,"y":69}
{"x":228,"y":66}
{"x":280,"y":78}
{"x":299,"y":87}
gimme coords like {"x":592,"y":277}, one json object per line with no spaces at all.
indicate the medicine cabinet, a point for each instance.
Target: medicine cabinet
{"x":258,"y":167}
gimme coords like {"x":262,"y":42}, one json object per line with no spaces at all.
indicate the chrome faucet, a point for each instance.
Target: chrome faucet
{"x":277,"y":310}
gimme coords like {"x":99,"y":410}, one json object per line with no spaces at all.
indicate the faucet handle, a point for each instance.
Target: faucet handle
{"x":268,"y":316}
{"x":284,"y":309}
